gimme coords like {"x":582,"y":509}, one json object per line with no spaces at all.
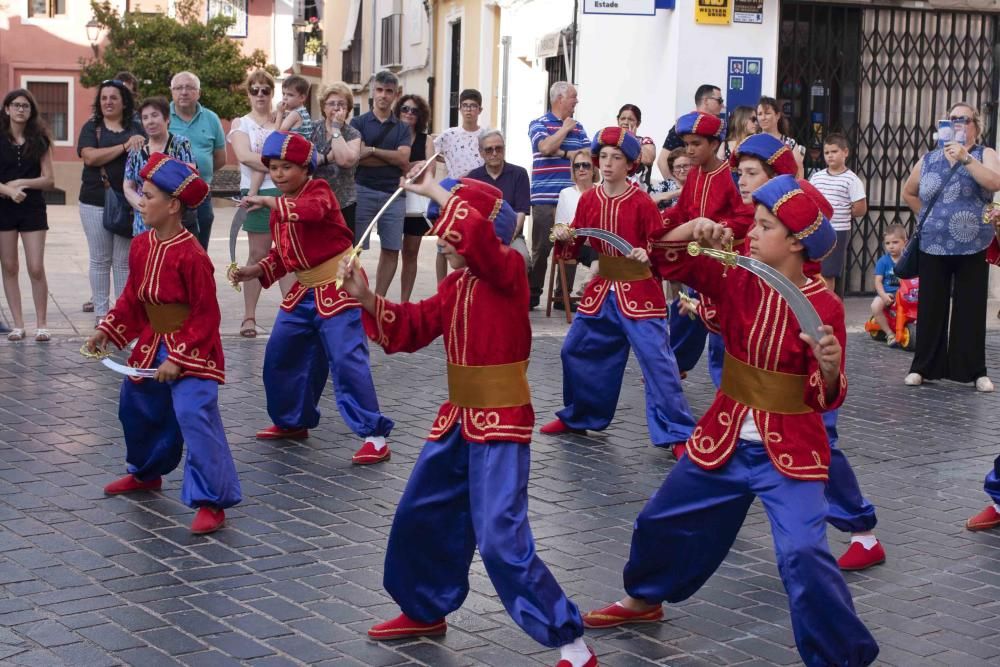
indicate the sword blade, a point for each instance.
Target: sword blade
{"x":371,"y":226}
{"x":128,"y":370}
{"x":612,"y":239}
{"x":802,"y":309}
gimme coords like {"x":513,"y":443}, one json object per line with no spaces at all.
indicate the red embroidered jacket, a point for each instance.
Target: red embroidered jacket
{"x":759,"y":329}
{"x":711,"y":195}
{"x":482,"y":312}
{"x":633,"y":216}
{"x":167,"y":272}
{"x":307,"y":230}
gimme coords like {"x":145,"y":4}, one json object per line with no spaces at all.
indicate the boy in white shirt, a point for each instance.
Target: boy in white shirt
{"x":845,"y":192}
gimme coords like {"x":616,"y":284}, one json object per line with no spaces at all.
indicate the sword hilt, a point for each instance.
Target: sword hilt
{"x":552,"y":234}
{"x":97,"y":354}
{"x":727,"y":257}
{"x":233,"y":266}
{"x":354,"y":255}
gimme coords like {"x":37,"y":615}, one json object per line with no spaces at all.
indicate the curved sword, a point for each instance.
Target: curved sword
{"x":803,"y":310}
{"x":356,"y":251}
{"x":612,"y":239}
{"x":234,"y":231}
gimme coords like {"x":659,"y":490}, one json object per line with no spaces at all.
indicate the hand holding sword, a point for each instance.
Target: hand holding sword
{"x":234,"y":273}
{"x":414,"y":175}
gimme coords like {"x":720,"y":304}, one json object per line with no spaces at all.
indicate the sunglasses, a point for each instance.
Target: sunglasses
{"x":408,"y":109}
{"x":754,"y":119}
{"x":960,"y":119}
{"x":717,"y":99}
{"x":493,"y":150}
{"x":585,"y":166}
{"x":258,"y":92}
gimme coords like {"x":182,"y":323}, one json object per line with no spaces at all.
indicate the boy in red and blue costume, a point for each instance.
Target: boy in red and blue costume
{"x":468,"y":488}
{"x":623,"y":307}
{"x":169,"y":308}
{"x":762,"y":436}
{"x":318,"y":332}
{"x":709,"y":192}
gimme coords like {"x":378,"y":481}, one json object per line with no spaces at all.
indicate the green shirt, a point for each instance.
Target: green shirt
{"x":204,"y":131}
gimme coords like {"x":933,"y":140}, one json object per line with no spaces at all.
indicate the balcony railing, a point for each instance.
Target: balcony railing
{"x":392,"y":42}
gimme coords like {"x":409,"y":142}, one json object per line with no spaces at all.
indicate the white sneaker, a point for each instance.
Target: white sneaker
{"x":913,"y":379}
{"x":984,"y":384}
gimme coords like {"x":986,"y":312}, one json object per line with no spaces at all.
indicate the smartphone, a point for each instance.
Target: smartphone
{"x":945,"y":132}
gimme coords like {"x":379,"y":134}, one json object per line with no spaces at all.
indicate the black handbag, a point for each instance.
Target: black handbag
{"x":117,"y":217}
{"x":908,"y":264}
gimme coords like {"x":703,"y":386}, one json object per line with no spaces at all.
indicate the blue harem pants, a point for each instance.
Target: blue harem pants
{"x":159,"y":418}
{"x":594,"y":355}
{"x":461,"y":495}
{"x":689,"y":525}
{"x":305,"y":349}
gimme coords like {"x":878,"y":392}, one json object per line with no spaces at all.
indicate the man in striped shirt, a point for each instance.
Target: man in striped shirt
{"x":553,"y":137}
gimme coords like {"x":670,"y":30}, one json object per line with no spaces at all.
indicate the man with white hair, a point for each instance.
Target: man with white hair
{"x":510,"y":179}
{"x":553,"y":137}
{"x":203,"y":128}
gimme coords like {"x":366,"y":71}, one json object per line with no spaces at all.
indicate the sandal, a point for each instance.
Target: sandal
{"x":15,"y":335}
{"x":88,"y":307}
{"x":42,"y":336}
{"x":248,"y":331}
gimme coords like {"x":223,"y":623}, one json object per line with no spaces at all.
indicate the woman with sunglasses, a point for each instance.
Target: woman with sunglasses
{"x":954,"y":276}
{"x":104,"y":144}
{"x":25,"y":170}
{"x":584,"y":178}
{"x":247,"y":136}
{"x":413,"y":111}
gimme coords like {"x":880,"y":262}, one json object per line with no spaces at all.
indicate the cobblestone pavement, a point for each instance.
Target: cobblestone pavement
{"x":295,"y":577}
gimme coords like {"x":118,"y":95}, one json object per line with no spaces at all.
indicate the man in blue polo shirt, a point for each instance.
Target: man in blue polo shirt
{"x":208,"y":143}
{"x":385,"y":157}
{"x":553,"y":137}
{"x":509,"y":179}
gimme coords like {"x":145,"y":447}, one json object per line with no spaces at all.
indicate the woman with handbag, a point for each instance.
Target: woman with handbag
{"x":953,"y":184}
{"x":104,"y":143}
{"x":413,"y":111}
{"x":154,"y":113}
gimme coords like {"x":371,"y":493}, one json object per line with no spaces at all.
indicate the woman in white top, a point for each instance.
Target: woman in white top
{"x":247,"y":136}
{"x":583,"y":173}
{"x":772,"y":121}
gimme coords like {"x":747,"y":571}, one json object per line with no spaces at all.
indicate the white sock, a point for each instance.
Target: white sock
{"x":867,"y":541}
{"x":996,"y":507}
{"x":577,"y":653}
{"x":378,"y":441}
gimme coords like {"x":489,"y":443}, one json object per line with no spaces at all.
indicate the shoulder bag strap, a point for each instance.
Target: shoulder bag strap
{"x":105,"y":181}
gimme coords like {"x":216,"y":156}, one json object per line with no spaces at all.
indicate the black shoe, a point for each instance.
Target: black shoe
{"x":533,"y":303}
{"x":559,"y":305}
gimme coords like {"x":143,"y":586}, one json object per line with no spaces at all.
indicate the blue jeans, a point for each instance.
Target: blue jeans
{"x":206,"y":216}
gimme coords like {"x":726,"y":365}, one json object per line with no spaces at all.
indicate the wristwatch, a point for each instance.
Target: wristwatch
{"x":967,"y":160}
{"x":335,"y":135}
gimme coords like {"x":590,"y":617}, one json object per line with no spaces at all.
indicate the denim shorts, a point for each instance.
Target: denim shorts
{"x":390,"y":225}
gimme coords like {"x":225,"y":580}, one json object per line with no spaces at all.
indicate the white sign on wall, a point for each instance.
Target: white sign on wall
{"x":627,"y":7}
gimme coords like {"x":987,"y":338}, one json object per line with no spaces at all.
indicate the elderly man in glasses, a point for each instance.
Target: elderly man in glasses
{"x":510,"y":179}
{"x":203,"y":128}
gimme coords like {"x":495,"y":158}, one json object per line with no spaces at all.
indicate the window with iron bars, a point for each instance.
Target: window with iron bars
{"x":350,"y":69}
{"x":42,"y":8}
{"x":392,"y":29}
{"x":52,"y":98}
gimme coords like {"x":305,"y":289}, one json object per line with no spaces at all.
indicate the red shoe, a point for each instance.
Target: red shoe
{"x":590,"y":663}
{"x":403,"y":626}
{"x":207,"y":520}
{"x":557,"y":426}
{"x":988,"y":518}
{"x":368,"y":455}
{"x":679,"y":449}
{"x":615,"y":614}
{"x":276,"y":433}
{"x":129,"y":483}
{"x":858,"y":558}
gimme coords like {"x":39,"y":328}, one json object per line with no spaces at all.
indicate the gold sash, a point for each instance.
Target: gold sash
{"x":771,"y":391}
{"x":167,"y":318}
{"x":324,"y":274}
{"x":613,"y":267}
{"x":499,"y":386}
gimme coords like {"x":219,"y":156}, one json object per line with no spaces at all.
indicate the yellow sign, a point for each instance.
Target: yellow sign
{"x":718,"y":12}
